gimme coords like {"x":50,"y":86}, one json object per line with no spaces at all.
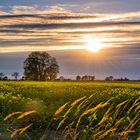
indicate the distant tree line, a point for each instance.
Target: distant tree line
{"x":85,"y":78}
{"x":111,"y":78}
{"x":4,"y":77}
{"x":40,"y":66}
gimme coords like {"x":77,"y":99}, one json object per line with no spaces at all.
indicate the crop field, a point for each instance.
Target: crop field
{"x":91,"y":110}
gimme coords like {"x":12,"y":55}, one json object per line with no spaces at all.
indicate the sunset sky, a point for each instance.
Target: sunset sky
{"x":97,"y":37}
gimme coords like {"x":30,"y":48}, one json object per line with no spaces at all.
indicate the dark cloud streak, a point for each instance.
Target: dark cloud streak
{"x":70,"y":25}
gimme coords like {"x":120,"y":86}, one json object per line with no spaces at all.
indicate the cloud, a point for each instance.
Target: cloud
{"x":22,"y":10}
{"x":71,"y":25}
{"x":122,"y":16}
{"x":59,"y":15}
{"x":3,"y":13}
{"x":29,"y":28}
{"x":55,"y":9}
{"x":19,"y":10}
{"x":65,"y":13}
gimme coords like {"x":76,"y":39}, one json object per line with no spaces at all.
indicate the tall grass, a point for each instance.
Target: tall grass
{"x":82,"y":120}
{"x":89,"y":110}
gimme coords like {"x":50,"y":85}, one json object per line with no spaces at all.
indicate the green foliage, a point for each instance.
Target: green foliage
{"x":46,"y":97}
{"x":40,"y":66}
{"x":81,"y":119}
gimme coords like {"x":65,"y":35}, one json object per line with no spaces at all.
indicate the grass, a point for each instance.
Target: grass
{"x":79,"y":108}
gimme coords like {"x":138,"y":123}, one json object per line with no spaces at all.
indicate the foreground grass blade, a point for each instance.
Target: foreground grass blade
{"x":26,"y":114}
{"x":59,"y":110}
{"x":11,"y":115}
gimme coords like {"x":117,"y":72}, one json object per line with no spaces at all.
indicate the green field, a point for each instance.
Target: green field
{"x":47,"y":97}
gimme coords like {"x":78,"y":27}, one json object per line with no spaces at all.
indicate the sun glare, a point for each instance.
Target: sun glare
{"x":94,"y":45}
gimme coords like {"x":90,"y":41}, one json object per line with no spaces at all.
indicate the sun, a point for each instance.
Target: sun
{"x":94,"y":45}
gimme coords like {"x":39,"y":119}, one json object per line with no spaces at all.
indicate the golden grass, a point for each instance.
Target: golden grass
{"x":119,"y":120}
{"x":11,"y":115}
{"x":81,"y":117}
{"x":26,"y":114}
{"x":22,"y":130}
{"x":59,"y":110}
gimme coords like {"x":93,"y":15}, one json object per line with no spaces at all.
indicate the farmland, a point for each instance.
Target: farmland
{"x":46,"y":97}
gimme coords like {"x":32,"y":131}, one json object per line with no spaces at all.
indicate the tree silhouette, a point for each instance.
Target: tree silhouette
{"x":5,"y":78}
{"x":1,"y":76}
{"x":40,"y":66}
{"x":88,"y":78}
{"x":15,"y":75}
{"x":110,"y":78}
{"x":93,"y":78}
{"x":61,"y":78}
{"x":78,"y":78}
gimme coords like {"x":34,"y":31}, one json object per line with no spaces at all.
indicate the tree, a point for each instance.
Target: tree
{"x":78,"y":78}
{"x":15,"y":75}
{"x":93,"y":78}
{"x":40,"y":66}
{"x":107,"y":79}
{"x":5,"y":78}
{"x":110,"y":78}
{"x":85,"y":78}
{"x":1,"y":76}
{"x":22,"y":78}
{"x":126,"y":79}
{"x":61,"y":78}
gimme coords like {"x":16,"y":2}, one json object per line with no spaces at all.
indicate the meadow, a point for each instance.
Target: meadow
{"x":74,"y":106}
